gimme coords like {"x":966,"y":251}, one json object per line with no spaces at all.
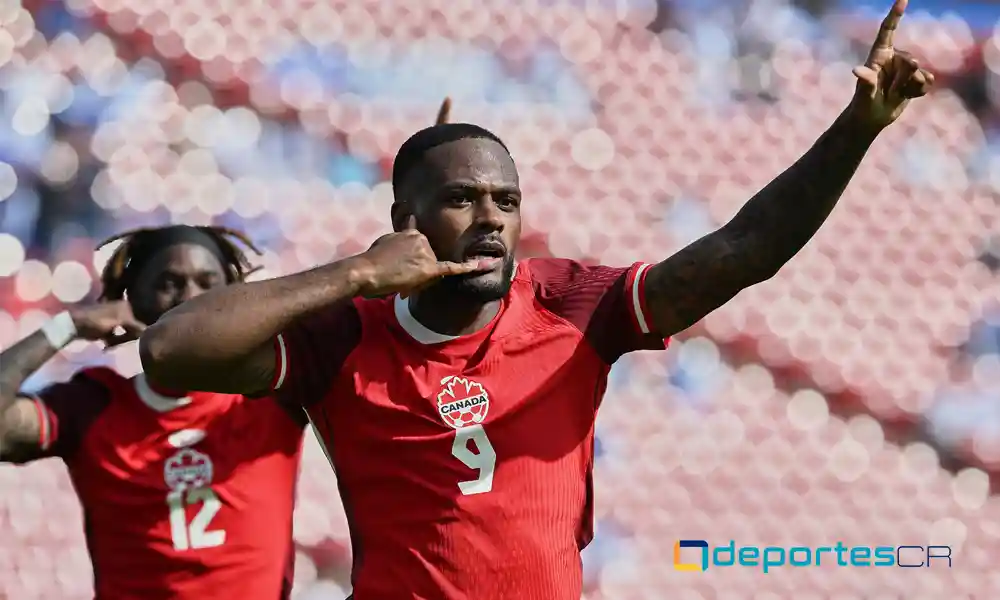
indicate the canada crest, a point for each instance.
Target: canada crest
{"x":188,"y":469}
{"x":462,"y":402}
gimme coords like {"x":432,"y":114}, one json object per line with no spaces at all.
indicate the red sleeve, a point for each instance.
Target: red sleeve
{"x":310,"y":353}
{"x":607,"y":304}
{"x":65,"y":411}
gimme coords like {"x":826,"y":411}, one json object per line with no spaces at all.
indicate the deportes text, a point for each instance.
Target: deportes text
{"x":771,"y":557}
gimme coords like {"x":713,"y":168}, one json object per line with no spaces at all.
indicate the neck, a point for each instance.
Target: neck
{"x":450,"y":315}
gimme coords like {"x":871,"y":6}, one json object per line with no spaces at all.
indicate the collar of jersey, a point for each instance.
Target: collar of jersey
{"x":155,"y":401}
{"x":422,"y":334}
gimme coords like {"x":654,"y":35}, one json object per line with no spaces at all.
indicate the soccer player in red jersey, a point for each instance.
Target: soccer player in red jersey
{"x":184,"y":495}
{"x":455,"y":390}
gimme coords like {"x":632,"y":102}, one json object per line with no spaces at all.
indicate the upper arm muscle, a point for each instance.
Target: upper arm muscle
{"x":251,"y":375}
{"x":20,"y":431}
{"x":700,"y":278}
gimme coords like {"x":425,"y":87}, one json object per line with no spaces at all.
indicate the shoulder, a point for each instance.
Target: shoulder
{"x":605,"y":303}
{"x":103,"y":376}
{"x":337,"y":325}
{"x":336,"y":316}
{"x":66,"y":409}
{"x":315,"y":347}
{"x":554,"y":277}
{"x":97,"y":383}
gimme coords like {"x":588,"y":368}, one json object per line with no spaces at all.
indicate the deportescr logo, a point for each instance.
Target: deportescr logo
{"x":462,"y":402}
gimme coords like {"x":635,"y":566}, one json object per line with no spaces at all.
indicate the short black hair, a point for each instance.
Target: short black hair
{"x":413,"y":149}
{"x":118,"y":277}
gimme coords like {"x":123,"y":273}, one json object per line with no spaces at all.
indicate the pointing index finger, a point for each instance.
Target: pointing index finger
{"x":444,"y":112}
{"x":410,"y":224}
{"x":469,"y":266}
{"x":887,"y":30}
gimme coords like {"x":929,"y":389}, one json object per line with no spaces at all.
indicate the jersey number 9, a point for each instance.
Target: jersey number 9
{"x":484,"y":459}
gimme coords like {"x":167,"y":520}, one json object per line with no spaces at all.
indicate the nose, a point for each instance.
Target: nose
{"x":488,"y":216}
{"x":191,"y":290}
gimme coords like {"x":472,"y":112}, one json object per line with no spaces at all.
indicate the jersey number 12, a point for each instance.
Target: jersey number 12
{"x":194,"y":534}
{"x":483,"y":460}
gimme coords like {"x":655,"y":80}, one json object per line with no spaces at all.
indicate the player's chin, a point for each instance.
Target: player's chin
{"x":480,"y":287}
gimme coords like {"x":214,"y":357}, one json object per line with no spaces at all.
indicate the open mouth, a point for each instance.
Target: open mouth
{"x":485,"y":250}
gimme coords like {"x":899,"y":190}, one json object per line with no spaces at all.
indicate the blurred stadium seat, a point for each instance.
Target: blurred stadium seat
{"x":839,"y":401}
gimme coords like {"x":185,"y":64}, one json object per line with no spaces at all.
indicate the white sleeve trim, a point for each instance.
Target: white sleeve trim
{"x":282,"y":362}
{"x":637,"y":299}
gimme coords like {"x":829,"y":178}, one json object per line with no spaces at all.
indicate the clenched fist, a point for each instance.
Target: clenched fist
{"x":111,"y":322}
{"x":404,"y":263}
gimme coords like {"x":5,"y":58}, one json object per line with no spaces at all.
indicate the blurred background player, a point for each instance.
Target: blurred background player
{"x":469,"y":388}
{"x":207,"y":481}
{"x":184,"y":495}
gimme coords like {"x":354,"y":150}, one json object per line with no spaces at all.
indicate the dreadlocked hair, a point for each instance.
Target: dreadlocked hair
{"x":116,"y":278}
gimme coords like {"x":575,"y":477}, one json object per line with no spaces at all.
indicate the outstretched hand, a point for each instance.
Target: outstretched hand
{"x":890,"y":77}
{"x":404,"y":263}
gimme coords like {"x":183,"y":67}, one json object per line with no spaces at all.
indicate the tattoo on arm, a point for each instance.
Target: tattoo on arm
{"x":17,"y":363}
{"x":767,"y":232}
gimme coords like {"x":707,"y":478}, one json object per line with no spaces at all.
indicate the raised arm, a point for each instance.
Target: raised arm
{"x":776,"y":223}
{"x":222,"y":341}
{"x":21,"y":426}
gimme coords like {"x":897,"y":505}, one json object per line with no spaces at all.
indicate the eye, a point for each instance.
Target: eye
{"x":458,"y":198}
{"x":508,"y":201}
{"x":168,"y":284}
{"x":208,"y":282}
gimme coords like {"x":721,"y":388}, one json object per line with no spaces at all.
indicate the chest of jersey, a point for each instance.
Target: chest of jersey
{"x":508,"y":416}
{"x":185,"y":479}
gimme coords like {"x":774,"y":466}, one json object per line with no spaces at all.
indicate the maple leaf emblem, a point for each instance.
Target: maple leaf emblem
{"x":462,"y":402}
{"x":188,"y":469}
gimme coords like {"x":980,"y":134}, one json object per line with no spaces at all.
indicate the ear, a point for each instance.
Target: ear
{"x":399,"y":212}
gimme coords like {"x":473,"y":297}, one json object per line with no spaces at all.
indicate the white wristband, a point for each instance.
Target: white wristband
{"x":60,"y":330}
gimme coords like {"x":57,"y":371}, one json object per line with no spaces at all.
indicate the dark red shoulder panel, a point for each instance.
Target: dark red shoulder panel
{"x":66,"y":411}
{"x":311,"y":353}
{"x":606,"y":303}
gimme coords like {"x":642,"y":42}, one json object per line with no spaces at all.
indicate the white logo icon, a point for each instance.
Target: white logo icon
{"x":185,"y":438}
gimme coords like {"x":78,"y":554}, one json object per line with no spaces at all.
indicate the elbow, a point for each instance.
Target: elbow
{"x":156,"y":354}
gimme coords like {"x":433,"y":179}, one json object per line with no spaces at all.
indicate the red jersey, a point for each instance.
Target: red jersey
{"x":465,"y":463}
{"x":182,"y":498}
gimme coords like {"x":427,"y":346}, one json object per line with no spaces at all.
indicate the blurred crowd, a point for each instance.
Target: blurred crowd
{"x":872,"y":362}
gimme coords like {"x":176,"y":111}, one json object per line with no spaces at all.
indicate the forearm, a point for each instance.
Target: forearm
{"x":218,"y":331}
{"x":18,"y":362}
{"x":766,"y":233}
{"x":778,"y":222}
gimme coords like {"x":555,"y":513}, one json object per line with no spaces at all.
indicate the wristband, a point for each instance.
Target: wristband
{"x":60,"y":330}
